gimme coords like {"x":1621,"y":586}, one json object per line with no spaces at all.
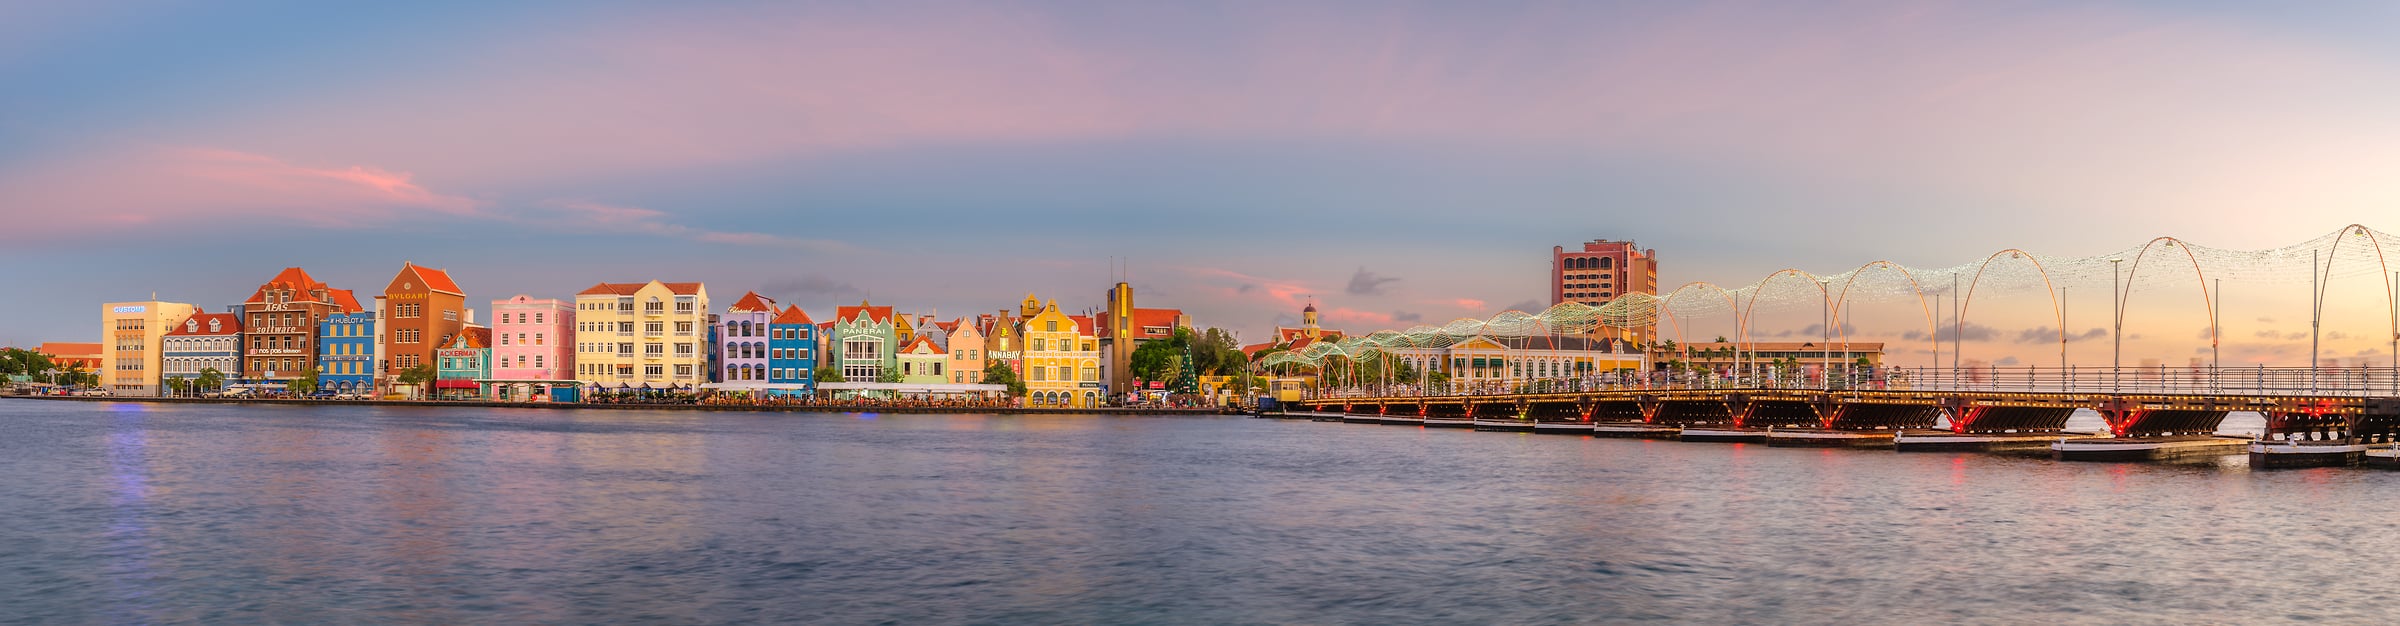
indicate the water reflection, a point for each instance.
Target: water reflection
{"x":259,"y":514}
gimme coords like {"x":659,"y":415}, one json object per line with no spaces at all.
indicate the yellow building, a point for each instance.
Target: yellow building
{"x":637,"y":334}
{"x":1061,"y":359}
{"x":129,"y":358}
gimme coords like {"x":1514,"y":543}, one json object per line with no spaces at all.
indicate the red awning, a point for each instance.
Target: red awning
{"x":455,"y":383}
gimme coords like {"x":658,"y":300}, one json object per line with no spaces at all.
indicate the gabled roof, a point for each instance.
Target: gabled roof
{"x":476,"y":336}
{"x":793,"y":315}
{"x":293,"y":279}
{"x":751,"y":302}
{"x":1083,"y":324}
{"x":227,"y":324}
{"x":433,"y":279}
{"x":345,"y":302}
{"x":873,"y":313}
{"x":947,"y":327}
{"x":627,"y":289}
{"x":927,"y":342}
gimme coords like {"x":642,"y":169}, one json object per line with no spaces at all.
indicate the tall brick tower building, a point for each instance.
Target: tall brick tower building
{"x":1601,"y":271}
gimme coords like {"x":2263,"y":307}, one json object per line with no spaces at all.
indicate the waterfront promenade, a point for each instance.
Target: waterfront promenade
{"x":749,"y":408}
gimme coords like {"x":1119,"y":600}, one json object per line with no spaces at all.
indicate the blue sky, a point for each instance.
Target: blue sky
{"x":1243,"y":157}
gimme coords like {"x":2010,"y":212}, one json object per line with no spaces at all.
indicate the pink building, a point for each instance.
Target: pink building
{"x":532,"y":340}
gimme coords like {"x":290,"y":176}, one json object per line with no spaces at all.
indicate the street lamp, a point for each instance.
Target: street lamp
{"x":2116,"y":334}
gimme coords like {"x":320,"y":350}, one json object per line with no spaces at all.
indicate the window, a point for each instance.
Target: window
{"x":654,"y":370}
{"x":682,"y":370}
{"x":1065,"y":373}
{"x":654,"y":328}
{"x":537,"y":339}
{"x":683,"y":349}
{"x":683,"y":328}
{"x":503,"y":339}
{"x":1051,"y":326}
{"x":862,"y":349}
{"x":625,"y":348}
{"x":624,"y":328}
{"x":1040,"y":344}
{"x":654,"y":349}
{"x":1040,"y":374}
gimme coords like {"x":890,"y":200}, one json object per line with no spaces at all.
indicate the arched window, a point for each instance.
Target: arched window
{"x":1606,"y":262}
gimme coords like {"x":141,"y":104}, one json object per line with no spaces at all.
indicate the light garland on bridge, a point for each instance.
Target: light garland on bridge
{"x":2162,"y":264}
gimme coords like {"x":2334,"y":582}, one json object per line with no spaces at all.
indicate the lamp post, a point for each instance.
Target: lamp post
{"x":2116,"y":333}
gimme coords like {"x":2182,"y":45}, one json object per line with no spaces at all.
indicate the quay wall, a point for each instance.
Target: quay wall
{"x":647,"y":407}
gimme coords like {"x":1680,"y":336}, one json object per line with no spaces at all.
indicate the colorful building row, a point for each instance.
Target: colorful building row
{"x":651,"y":335}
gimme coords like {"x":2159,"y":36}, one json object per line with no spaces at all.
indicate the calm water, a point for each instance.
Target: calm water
{"x":129,"y":513}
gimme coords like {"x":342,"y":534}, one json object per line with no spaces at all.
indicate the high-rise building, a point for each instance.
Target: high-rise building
{"x":1601,"y":271}
{"x":130,"y":356}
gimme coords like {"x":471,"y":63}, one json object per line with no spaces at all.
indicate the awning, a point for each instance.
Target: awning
{"x":455,"y":383}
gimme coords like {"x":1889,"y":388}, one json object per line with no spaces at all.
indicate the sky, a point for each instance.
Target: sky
{"x":1395,"y":163}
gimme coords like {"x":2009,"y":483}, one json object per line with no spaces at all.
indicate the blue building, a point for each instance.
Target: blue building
{"x":346,"y":352}
{"x":792,"y":352}
{"x":207,"y":341}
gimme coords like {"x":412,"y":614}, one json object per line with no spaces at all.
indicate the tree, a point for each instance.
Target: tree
{"x":889,"y":375}
{"x":72,"y":374}
{"x":1156,"y":360}
{"x":418,"y":377}
{"x":827,"y":374}
{"x":1720,"y":339}
{"x":303,"y":383}
{"x":998,"y":373}
{"x":210,"y":379}
{"x":179,"y":385}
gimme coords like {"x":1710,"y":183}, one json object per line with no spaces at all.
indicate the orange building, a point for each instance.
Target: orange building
{"x":65,"y":353}
{"x":422,"y":306}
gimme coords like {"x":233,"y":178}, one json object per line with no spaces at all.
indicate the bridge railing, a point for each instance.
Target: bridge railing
{"x":2229,"y":381}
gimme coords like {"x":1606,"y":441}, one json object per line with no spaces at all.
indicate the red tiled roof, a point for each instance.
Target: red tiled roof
{"x":874,"y":313}
{"x":793,"y":316}
{"x":1254,"y":349}
{"x":947,"y":327}
{"x":1150,"y":317}
{"x":923,"y":341}
{"x":292,"y":278}
{"x":612,"y":289}
{"x":227,"y":324}
{"x":627,"y":289}
{"x":345,"y":301}
{"x":477,"y":337}
{"x":751,"y":302}
{"x":68,"y":348}
{"x":437,"y":280}
{"x":1083,"y":323}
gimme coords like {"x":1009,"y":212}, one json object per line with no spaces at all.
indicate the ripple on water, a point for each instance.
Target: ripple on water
{"x":196,"y":513}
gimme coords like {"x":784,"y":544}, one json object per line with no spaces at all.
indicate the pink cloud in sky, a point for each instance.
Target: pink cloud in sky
{"x":174,"y":186}
{"x":1968,"y":98}
{"x":589,"y":216}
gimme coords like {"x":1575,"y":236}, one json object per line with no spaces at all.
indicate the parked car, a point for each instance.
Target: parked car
{"x":93,"y":393}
